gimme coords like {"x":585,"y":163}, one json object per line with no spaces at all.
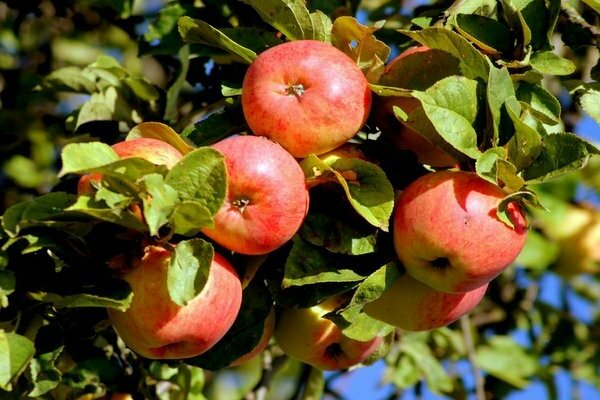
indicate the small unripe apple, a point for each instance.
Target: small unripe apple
{"x":306,"y":95}
{"x":447,"y":232}
{"x":157,"y":328}
{"x":267,"y":198}
{"x":153,"y":150}
{"x":413,"y":306}
{"x":303,"y":334}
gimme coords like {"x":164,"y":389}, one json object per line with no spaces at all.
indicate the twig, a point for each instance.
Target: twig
{"x":465,"y":325}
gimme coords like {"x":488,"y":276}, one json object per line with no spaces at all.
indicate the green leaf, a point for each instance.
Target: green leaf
{"x":486,"y":165}
{"x":165,"y":22}
{"x":171,"y":108}
{"x":538,"y":253}
{"x":42,"y":370}
{"x":526,"y":143}
{"x":162,"y":132}
{"x":507,"y":361}
{"x":308,"y":265}
{"x":122,"y":216}
{"x":188,"y":270}
{"x":589,"y":101}
{"x":560,"y":154}
{"x":549,"y":63}
{"x":359,"y":43}
{"x":112,"y":199}
{"x":189,"y":216}
{"x":71,"y":79}
{"x":16,"y":352}
{"x":322,"y":26}
{"x":78,"y":157}
{"x":197,"y":31}
{"x":8,"y":284}
{"x":518,"y":25}
{"x":543,"y":103}
{"x":217,"y":126}
{"x":490,"y":35}
{"x":24,"y":172}
{"x":473,"y":64}
{"x":451,"y":106}
{"x":595,"y":4}
{"x":159,"y":206}
{"x":142,"y":88}
{"x":499,"y":88}
{"x":41,"y":208}
{"x":290,"y":17}
{"x":315,"y":385}
{"x":96,"y":109}
{"x":200,"y":176}
{"x":352,"y":321}
{"x":369,"y":191}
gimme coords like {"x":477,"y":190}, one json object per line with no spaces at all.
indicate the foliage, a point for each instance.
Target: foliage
{"x":79,"y":76}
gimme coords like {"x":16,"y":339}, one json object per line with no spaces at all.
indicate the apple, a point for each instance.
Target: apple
{"x":578,"y":235}
{"x":400,"y":134}
{"x":263,"y":342}
{"x":157,"y":328}
{"x":413,"y":306}
{"x":153,"y":150}
{"x":303,"y":334}
{"x":447,"y":234}
{"x":267,"y":197}
{"x":306,"y":95}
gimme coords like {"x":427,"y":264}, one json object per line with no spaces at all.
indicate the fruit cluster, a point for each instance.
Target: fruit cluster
{"x":306,"y":99}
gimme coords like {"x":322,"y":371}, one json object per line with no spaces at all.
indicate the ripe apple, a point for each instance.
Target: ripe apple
{"x":578,"y":235}
{"x":303,"y":334}
{"x":399,"y":133}
{"x":153,"y":150}
{"x":414,"y":306}
{"x":267,"y":198}
{"x":268,"y":327}
{"x":157,"y":328}
{"x":306,"y":95}
{"x":447,"y":233}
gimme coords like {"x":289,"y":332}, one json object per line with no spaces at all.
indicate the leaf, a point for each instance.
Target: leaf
{"x":486,"y":165}
{"x":526,"y":143}
{"x":85,"y":205}
{"x":160,"y":203}
{"x":16,"y":352}
{"x":549,"y":63}
{"x":200,"y":176}
{"x":518,"y":24}
{"x":490,"y":35}
{"x":451,"y":106}
{"x":162,"y":132}
{"x":96,"y":109}
{"x":507,"y":361}
{"x":436,"y":377}
{"x":589,"y":101}
{"x":538,"y":253}
{"x":290,"y":17}
{"x":216,"y":126}
{"x":359,"y":43}
{"x":71,"y":79}
{"x":41,"y":208}
{"x":197,"y":31}
{"x":49,"y":344}
{"x":543,"y":103}
{"x":77,"y":157}
{"x":315,"y":385}
{"x":188,"y":270}
{"x":8,"y":284}
{"x":322,"y":26}
{"x":561,"y":153}
{"x":24,"y":171}
{"x":499,"y":88}
{"x":189,"y":216}
{"x":594,"y":4}
{"x":369,"y":191}
{"x":354,"y":323}
{"x":171,"y":111}
{"x":309,"y":265}
{"x":473,"y":64}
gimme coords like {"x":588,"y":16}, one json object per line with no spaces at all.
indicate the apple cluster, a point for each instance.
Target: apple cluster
{"x":307,"y":98}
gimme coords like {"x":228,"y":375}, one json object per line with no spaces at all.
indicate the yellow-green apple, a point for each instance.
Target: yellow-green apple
{"x":263,"y":342}
{"x":306,"y":95}
{"x":447,"y":232}
{"x":578,"y":235}
{"x":399,"y":133}
{"x":153,"y":150}
{"x":414,"y":306}
{"x":267,"y":197}
{"x":303,"y":334}
{"x":156,"y":327}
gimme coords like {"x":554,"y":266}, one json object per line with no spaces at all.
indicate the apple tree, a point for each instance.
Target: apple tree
{"x":425,"y":202}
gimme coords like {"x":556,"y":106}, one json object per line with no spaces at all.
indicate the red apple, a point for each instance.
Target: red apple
{"x":306,"y":95}
{"x":157,"y":328}
{"x":303,"y":334}
{"x":153,"y":150}
{"x":447,"y":233}
{"x":267,"y":198}
{"x":414,"y":306}
{"x":400,"y":134}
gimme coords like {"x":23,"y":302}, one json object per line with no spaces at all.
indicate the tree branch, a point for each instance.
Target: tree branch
{"x":465,"y":325}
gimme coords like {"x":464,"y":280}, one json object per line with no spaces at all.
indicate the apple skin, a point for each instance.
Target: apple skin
{"x":267,"y":197}
{"x":306,"y":95}
{"x":268,"y":328}
{"x":303,"y":334}
{"x":404,"y":137}
{"x":413,"y":306}
{"x":157,"y":328}
{"x":153,"y":150}
{"x":447,"y":234}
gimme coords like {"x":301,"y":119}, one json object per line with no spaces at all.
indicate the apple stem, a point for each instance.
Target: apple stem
{"x":295,"y":90}
{"x":240,"y":204}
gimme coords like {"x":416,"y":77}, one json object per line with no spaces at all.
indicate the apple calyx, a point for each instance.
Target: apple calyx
{"x":295,"y":90}
{"x":241,"y":203}
{"x":334,"y":351}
